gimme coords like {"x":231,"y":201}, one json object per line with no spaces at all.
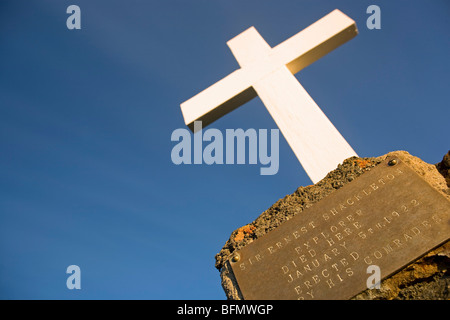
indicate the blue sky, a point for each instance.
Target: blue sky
{"x":86,"y":118}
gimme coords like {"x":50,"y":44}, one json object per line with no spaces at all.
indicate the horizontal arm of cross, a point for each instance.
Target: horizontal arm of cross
{"x":219,"y":99}
{"x":314,"y":42}
{"x":296,"y":53}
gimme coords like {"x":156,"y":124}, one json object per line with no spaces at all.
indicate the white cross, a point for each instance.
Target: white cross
{"x":269,"y":73}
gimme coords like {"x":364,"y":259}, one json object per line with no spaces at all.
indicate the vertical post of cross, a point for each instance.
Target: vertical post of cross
{"x":268,"y":73}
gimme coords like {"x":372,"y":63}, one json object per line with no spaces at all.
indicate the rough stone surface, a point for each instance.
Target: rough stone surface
{"x":444,"y":168}
{"x":426,"y":278}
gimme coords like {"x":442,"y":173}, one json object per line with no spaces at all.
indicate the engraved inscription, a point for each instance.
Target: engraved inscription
{"x":387,"y":217}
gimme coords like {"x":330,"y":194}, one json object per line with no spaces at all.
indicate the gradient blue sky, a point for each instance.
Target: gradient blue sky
{"x":86,"y":118}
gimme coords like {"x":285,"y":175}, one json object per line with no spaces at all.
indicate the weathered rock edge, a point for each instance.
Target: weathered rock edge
{"x":427,"y":278}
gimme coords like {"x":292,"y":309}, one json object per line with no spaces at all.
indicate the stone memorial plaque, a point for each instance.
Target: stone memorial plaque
{"x":387,"y":217}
